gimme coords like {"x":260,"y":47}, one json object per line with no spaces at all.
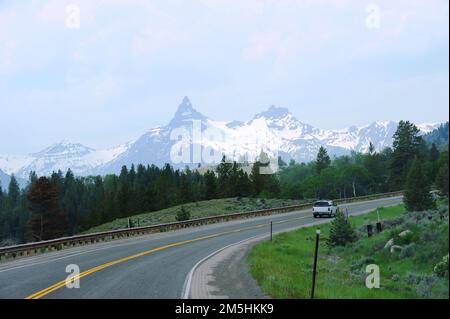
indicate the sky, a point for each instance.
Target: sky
{"x":104,"y":72}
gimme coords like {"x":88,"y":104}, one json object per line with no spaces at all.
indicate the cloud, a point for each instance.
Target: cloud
{"x":146,"y":54}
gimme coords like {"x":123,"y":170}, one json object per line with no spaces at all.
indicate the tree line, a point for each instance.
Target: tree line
{"x":63,"y":204}
{"x":361,"y":174}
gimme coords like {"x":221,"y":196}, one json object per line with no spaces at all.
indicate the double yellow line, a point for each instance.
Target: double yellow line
{"x":88,"y":272}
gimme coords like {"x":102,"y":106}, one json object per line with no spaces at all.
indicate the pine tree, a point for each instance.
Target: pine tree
{"x":185,"y":190}
{"x":69,"y":200}
{"x":58,"y":180}
{"x":341,"y":231}
{"x":224,"y":172}
{"x":417,"y":195}
{"x":442,"y":180}
{"x":13,"y":193}
{"x":2,"y":199}
{"x":131,"y":177}
{"x":32,"y":178}
{"x":244,"y":185}
{"x":257,"y":179}
{"x":434,"y":153}
{"x":323,"y":160}
{"x":123,"y":193}
{"x":210,"y":185}
{"x":407,"y":144}
{"x":47,"y":220}
{"x":13,"y":210}
{"x":2,"y":216}
{"x":433,"y":163}
{"x":265,"y":185}
{"x":183,"y":214}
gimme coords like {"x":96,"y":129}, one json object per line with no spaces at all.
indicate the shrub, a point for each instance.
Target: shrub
{"x":405,"y":240}
{"x":441,"y":268}
{"x":412,"y":278}
{"x":426,"y":286}
{"x":360,"y":263}
{"x":429,"y":236}
{"x":183,"y":214}
{"x":443,"y":210}
{"x":342,"y":231}
{"x":408,"y":251}
{"x":392,"y":223}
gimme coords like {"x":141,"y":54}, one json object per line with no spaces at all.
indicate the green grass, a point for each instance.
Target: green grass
{"x":199,"y":209}
{"x":283,"y":268}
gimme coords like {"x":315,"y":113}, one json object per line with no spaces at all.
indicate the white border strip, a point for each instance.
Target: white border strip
{"x":188,"y":282}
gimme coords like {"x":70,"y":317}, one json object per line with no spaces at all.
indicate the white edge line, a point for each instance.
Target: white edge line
{"x":188,"y":281}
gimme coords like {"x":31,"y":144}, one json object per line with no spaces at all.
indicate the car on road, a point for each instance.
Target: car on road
{"x":326,"y":208}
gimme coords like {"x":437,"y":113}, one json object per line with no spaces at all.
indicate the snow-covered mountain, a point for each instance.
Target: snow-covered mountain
{"x":275,"y":131}
{"x":60,"y":156}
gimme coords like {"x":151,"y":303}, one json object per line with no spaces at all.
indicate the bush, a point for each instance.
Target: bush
{"x":408,"y":251}
{"x":341,"y":231}
{"x":429,"y":236}
{"x":441,"y":268}
{"x":388,"y":224}
{"x":412,"y":236}
{"x":395,"y":277}
{"x":426,"y":287}
{"x":183,"y":214}
{"x":361,"y":263}
{"x":412,"y":278}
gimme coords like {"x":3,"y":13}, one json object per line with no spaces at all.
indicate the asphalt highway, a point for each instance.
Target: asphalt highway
{"x":151,"y":266}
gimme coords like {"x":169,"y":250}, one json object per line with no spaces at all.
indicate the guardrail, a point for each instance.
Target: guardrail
{"x":78,"y":240}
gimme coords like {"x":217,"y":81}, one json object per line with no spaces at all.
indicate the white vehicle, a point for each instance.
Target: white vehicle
{"x":325,"y":208}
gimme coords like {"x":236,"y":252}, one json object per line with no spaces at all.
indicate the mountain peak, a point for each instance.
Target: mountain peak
{"x":274,"y":112}
{"x":65,"y":147}
{"x":186,"y":112}
{"x":186,"y":104}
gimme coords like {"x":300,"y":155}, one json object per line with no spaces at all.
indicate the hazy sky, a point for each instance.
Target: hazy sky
{"x":130,"y":63}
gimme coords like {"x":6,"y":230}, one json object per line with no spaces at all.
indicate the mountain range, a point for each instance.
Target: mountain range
{"x":276,"y":131}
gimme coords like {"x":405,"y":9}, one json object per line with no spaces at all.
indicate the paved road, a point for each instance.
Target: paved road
{"x":152,"y":266}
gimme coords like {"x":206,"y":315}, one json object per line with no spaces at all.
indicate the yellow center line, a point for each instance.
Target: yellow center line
{"x":88,"y":272}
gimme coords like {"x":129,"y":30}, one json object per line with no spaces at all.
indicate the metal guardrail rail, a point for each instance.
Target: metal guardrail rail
{"x":78,"y":240}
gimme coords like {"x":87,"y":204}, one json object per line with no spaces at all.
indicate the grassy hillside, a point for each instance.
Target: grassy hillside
{"x":199,"y":209}
{"x":283,"y":268}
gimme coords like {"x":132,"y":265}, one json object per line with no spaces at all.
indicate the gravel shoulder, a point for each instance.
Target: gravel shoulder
{"x":226,"y":275}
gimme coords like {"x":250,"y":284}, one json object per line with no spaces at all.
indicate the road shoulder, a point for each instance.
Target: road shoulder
{"x":225,"y":273}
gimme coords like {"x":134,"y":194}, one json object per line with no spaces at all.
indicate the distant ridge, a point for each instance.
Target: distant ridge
{"x":282,"y":134}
